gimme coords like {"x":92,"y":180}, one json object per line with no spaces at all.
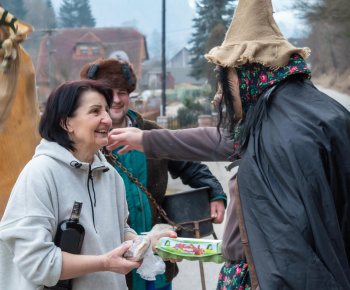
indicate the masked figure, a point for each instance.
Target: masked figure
{"x":288,"y":219}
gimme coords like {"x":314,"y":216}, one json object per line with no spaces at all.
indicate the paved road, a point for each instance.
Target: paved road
{"x":189,"y":275}
{"x":341,"y":98}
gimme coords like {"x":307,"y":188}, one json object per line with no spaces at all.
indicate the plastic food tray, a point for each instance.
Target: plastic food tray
{"x":191,"y":249}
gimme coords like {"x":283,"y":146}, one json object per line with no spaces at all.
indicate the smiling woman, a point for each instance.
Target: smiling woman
{"x":89,"y":125}
{"x":76,"y":114}
{"x":68,"y":167}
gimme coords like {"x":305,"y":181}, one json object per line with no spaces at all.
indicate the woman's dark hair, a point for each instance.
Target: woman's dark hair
{"x":62,"y":103}
{"x":227,"y":115}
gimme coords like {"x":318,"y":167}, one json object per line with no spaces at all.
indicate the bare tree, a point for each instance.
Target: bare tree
{"x":41,"y":16}
{"x":329,"y":39}
{"x":330,"y":32}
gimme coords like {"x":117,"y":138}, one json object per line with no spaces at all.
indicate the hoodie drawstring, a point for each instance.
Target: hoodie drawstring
{"x":93,"y":189}
{"x":78,"y":165}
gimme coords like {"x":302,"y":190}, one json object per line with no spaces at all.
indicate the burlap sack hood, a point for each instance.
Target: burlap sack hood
{"x":119,"y":73}
{"x":254,"y":37}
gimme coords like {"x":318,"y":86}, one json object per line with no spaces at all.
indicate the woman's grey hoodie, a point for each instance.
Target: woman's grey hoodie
{"x":41,"y":198}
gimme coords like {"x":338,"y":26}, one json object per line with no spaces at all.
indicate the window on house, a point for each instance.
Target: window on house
{"x":96,"y":50}
{"x":82,"y":50}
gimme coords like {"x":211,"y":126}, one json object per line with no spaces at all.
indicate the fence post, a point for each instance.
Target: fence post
{"x":163,"y":121}
{"x":204,"y":121}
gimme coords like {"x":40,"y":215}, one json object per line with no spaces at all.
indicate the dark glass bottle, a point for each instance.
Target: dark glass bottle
{"x":69,"y":237}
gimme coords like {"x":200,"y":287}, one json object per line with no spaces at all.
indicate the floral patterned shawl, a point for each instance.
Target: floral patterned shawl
{"x":255,"y":78}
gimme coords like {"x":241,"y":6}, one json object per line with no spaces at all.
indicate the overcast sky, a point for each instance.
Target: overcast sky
{"x":146,"y":16}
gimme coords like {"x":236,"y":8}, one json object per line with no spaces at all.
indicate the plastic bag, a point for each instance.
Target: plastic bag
{"x":152,"y":265}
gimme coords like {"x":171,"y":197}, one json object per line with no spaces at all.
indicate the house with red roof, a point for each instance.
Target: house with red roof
{"x":72,"y":48}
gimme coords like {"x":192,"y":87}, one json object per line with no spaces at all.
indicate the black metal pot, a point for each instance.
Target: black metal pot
{"x":190,"y":206}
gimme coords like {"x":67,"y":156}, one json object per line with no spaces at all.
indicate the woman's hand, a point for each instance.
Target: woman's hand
{"x":155,"y":238}
{"x":114,"y":261}
{"x":131,"y":138}
{"x":78,"y":265}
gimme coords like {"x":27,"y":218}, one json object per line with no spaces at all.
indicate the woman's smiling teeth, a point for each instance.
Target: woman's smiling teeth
{"x":102,"y":131}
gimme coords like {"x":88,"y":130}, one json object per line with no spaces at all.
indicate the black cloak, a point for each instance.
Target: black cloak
{"x":294,"y":186}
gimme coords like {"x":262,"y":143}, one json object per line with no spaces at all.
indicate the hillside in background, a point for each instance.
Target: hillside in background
{"x":329,"y":39}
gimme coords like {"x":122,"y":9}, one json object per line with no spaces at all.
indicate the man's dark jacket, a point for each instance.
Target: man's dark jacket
{"x":294,"y":186}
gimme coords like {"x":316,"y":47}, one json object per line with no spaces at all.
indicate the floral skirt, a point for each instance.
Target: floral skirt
{"x":234,"y":275}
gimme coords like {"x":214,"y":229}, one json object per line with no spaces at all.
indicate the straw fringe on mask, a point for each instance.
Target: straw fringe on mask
{"x":10,"y":60}
{"x":254,"y":37}
{"x":19,"y":109}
